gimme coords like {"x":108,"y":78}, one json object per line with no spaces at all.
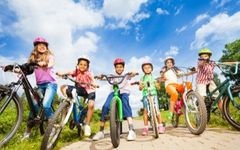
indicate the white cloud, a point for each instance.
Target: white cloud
{"x":178,"y":10}
{"x":123,"y":12}
{"x":161,"y":11}
{"x":220,"y":3}
{"x":172,"y":52}
{"x":221,"y":28}
{"x":200,"y":18}
{"x":139,"y":17}
{"x":183,"y":28}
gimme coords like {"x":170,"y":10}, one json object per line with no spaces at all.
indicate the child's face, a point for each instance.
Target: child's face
{"x":204,"y":56}
{"x":147,"y":69}
{"x":119,"y":68}
{"x":83,"y":65}
{"x":169,"y":63}
{"x":41,"y":48}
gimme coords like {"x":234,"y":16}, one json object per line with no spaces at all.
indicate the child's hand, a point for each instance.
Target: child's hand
{"x":157,"y":84}
{"x":132,"y":74}
{"x":141,"y":85}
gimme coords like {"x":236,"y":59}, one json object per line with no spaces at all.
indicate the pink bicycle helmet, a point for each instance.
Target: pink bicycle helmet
{"x":119,"y":61}
{"x":40,"y":40}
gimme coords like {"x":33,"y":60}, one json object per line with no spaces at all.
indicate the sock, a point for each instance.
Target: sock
{"x":101,"y":128}
{"x":131,"y":127}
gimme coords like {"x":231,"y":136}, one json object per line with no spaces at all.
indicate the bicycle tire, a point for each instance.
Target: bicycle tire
{"x":17,"y":121}
{"x":50,"y":139}
{"x":200,"y":120}
{"x":232,"y":118}
{"x":153,"y":118}
{"x":175,"y":120}
{"x":114,"y":124}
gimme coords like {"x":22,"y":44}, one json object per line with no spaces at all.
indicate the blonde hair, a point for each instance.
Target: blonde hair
{"x":35,"y":56}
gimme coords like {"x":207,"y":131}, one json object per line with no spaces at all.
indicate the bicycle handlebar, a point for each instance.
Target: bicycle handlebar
{"x":111,"y":78}
{"x":73,"y":80}
{"x":219,"y":64}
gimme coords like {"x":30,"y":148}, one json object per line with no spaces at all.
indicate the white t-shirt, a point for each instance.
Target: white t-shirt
{"x":171,"y":77}
{"x":124,"y":86}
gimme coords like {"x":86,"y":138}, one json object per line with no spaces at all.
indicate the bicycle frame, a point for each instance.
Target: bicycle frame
{"x":119,"y":101}
{"x":224,"y":88}
{"x":13,"y":88}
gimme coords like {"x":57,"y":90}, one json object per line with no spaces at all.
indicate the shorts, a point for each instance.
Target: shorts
{"x":81,"y":92}
{"x":202,"y":89}
{"x":145,"y":102}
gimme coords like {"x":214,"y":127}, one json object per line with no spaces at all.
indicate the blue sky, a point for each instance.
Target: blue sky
{"x":136,"y":30}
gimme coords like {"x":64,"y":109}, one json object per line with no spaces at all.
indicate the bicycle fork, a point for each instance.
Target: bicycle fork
{"x":69,"y":111}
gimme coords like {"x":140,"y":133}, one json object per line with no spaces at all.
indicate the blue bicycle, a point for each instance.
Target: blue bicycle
{"x":67,"y":107}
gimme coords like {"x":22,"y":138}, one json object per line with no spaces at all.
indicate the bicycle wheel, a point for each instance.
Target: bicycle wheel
{"x":114,"y":124}
{"x":231,"y":111}
{"x":153,"y":118}
{"x":10,"y":115}
{"x":195,"y":113}
{"x":175,"y":120}
{"x":55,"y":127}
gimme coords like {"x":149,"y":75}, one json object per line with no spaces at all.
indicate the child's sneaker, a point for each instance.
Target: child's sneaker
{"x":87,"y":130}
{"x":131,"y":135}
{"x":145,"y":131}
{"x":26,"y":136}
{"x":161,"y":129}
{"x":98,"y":136}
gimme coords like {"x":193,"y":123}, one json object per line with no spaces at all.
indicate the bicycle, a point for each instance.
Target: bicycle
{"x":10,"y":103}
{"x":152,"y":110}
{"x":192,"y":105}
{"x":78,"y":108}
{"x":116,"y":112}
{"x":229,"y":90}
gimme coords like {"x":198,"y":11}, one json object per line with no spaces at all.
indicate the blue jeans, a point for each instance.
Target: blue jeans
{"x":127,"y":111}
{"x":49,"y":90}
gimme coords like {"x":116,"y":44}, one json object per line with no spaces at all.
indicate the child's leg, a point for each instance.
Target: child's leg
{"x":127,"y":111}
{"x":213,"y":86}
{"x":91,"y":97}
{"x":63,"y":90}
{"x":172,"y":91}
{"x":145,"y":111}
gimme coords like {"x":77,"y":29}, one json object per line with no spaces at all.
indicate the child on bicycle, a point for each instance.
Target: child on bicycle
{"x":45,"y":78}
{"x":124,"y":94}
{"x":205,"y":74}
{"x":169,"y":74}
{"x":148,"y":78}
{"x":83,"y":75}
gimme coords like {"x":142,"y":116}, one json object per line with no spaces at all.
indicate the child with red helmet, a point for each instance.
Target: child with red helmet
{"x":146,"y":79}
{"x":83,"y":75}
{"x":124,"y":94}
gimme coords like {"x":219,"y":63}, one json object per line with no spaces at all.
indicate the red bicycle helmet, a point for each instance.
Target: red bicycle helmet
{"x":119,"y":61}
{"x":40,"y":40}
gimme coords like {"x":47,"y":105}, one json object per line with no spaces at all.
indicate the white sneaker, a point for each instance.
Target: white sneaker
{"x":26,"y":135}
{"x":87,"y":130}
{"x":98,"y":136}
{"x":131,"y":135}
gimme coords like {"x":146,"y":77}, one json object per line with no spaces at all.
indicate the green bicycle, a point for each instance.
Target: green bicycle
{"x":116,"y":110}
{"x":230,"y":93}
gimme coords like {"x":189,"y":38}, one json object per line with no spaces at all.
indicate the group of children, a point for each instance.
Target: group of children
{"x":46,"y":81}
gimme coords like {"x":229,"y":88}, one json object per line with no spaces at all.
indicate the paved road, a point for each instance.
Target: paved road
{"x":174,"y":139}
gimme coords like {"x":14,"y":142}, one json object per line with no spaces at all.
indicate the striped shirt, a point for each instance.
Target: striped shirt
{"x":205,"y":73}
{"x":86,"y":77}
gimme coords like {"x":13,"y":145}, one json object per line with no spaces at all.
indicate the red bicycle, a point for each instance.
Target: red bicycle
{"x":191,"y":104}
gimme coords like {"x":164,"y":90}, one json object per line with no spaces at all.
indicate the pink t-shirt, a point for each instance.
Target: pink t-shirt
{"x":45,"y":75}
{"x":86,"y":77}
{"x":205,"y":73}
